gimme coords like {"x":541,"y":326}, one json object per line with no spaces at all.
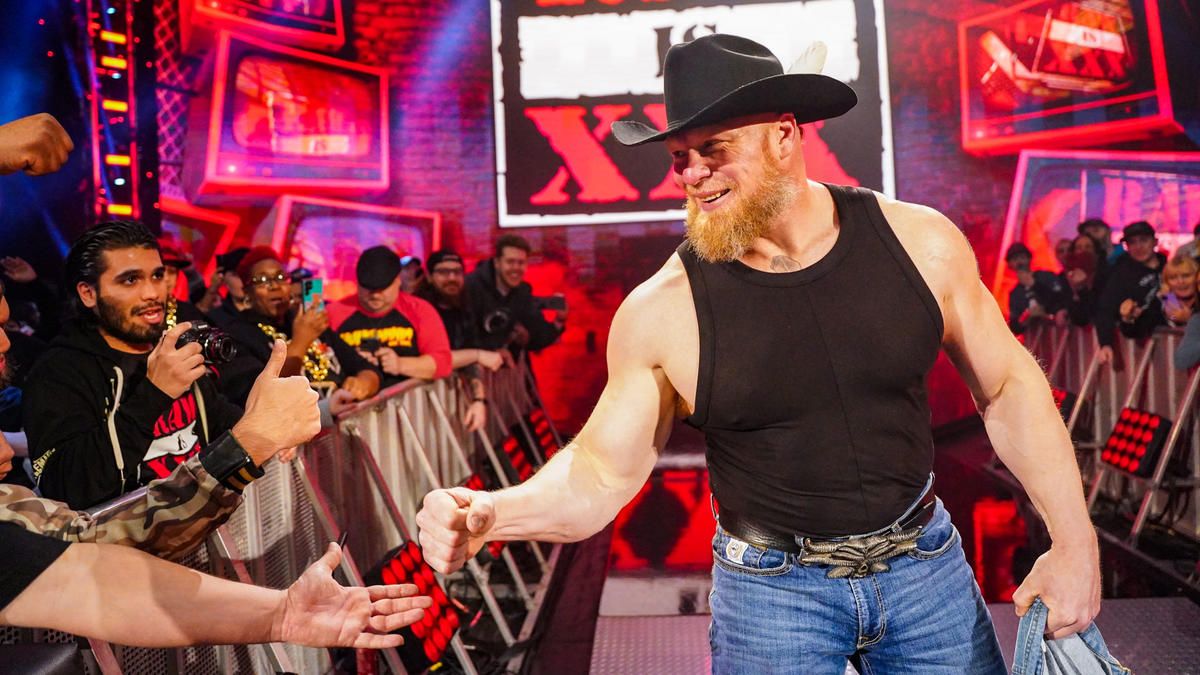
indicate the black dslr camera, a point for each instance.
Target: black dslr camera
{"x":215,"y":345}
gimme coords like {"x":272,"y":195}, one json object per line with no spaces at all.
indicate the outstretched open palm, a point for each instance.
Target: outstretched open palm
{"x":320,"y":612}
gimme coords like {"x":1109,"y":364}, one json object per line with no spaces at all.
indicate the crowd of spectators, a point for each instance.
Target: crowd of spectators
{"x":130,"y":406}
{"x":134,"y":372}
{"x":1128,"y":288}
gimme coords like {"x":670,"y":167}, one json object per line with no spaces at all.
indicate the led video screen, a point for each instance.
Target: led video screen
{"x":305,"y":23}
{"x":563,"y":72}
{"x":1056,"y":190}
{"x":280,"y":119}
{"x":1057,"y":73}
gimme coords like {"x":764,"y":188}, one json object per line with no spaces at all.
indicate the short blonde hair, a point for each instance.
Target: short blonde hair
{"x":1185,"y":262}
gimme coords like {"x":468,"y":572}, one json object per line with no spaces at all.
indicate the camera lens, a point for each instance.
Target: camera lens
{"x":219,"y":348}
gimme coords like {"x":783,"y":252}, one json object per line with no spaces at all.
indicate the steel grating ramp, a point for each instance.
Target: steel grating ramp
{"x":1150,"y":635}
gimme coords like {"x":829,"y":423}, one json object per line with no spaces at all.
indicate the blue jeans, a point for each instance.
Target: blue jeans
{"x":772,"y":614}
{"x":1084,"y":653}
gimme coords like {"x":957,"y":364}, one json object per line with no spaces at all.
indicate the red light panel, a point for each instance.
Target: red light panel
{"x":1136,"y":442}
{"x":425,"y":641}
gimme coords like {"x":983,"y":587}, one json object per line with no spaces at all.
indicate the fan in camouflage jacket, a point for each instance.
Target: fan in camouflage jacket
{"x":170,"y":517}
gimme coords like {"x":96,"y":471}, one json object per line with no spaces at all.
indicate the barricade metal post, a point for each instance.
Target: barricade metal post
{"x":227,"y":549}
{"x":502,"y":476}
{"x":1183,"y":412}
{"x":1084,"y":389}
{"x":332,"y":532}
{"x":1060,"y":349}
{"x":531,"y":386}
{"x":476,"y":572}
{"x":368,"y":459}
{"x":538,"y":460}
{"x":105,"y":659}
{"x":1131,"y":396}
{"x":506,"y":555}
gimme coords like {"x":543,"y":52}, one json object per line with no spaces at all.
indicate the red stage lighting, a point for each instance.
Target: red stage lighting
{"x":1136,"y":442}
{"x":426,"y":641}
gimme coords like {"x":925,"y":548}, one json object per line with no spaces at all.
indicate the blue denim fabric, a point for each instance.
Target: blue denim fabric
{"x":772,"y":614}
{"x":1084,"y":653}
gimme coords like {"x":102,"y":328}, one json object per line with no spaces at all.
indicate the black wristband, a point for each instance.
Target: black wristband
{"x":227,"y":461}
{"x":479,"y":399}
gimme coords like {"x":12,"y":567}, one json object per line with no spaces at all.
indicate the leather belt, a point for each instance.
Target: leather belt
{"x":746,"y":529}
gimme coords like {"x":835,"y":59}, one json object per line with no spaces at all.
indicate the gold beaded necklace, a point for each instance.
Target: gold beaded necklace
{"x":171,"y":309}
{"x":316,"y":361}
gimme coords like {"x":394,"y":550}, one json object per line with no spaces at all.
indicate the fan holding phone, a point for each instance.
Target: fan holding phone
{"x":314,"y":350}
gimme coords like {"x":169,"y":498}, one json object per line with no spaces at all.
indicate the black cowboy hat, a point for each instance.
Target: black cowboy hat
{"x":719,"y":77}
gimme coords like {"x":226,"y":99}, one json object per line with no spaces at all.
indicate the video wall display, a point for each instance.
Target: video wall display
{"x":1056,"y":190}
{"x":1061,"y":73}
{"x":306,"y":23}
{"x":279,"y":119}
{"x":326,"y":236}
{"x":563,"y":72}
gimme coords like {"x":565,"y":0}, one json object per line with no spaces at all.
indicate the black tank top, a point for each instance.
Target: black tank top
{"x":811,"y":390}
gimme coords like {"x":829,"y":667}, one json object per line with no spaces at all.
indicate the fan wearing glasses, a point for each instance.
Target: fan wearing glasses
{"x":314,"y":350}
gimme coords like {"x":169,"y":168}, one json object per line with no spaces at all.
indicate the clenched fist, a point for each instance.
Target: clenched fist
{"x":37,"y":145}
{"x":453,"y":523}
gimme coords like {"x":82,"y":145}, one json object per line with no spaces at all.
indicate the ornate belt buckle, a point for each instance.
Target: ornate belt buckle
{"x":856,"y":558}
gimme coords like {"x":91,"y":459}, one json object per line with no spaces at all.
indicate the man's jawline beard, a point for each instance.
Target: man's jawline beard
{"x":728,"y":233}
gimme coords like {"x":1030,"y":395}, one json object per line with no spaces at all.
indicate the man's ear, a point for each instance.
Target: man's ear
{"x":87,"y":294}
{"x":790,"y":136}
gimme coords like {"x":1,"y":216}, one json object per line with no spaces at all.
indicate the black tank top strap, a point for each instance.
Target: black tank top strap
{"x":863,"y":203}
{"x":708,"y":343}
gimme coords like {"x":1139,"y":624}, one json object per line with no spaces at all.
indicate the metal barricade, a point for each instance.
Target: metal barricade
{"x":366,"y":478}
{"x":1142,"y":375}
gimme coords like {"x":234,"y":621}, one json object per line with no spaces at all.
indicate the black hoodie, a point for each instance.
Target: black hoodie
{"x":1128,"y":279}
{"x":87,"y":450}
{"x":502,"y":312}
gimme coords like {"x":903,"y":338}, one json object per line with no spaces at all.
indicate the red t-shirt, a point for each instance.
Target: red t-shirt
{"x":412,"y":327}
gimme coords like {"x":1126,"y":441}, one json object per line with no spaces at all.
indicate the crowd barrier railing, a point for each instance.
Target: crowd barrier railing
{"x":366,"y":479}
{"x":1114,"y":411}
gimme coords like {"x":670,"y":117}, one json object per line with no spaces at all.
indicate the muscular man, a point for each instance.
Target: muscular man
{"x":809,"y":386}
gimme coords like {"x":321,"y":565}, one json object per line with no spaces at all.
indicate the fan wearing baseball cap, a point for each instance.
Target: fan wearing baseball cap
{"x":809,"y":386}
{"x":401,"y":335}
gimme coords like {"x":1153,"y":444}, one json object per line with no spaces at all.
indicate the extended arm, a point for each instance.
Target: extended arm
{"x":172,"y":517}
{"x":1026,"y":431}
{"x":581,"y":489}
{"x":128,"y":597}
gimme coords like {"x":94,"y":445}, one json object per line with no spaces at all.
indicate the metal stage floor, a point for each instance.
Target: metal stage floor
{"x":1153,"y":636}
